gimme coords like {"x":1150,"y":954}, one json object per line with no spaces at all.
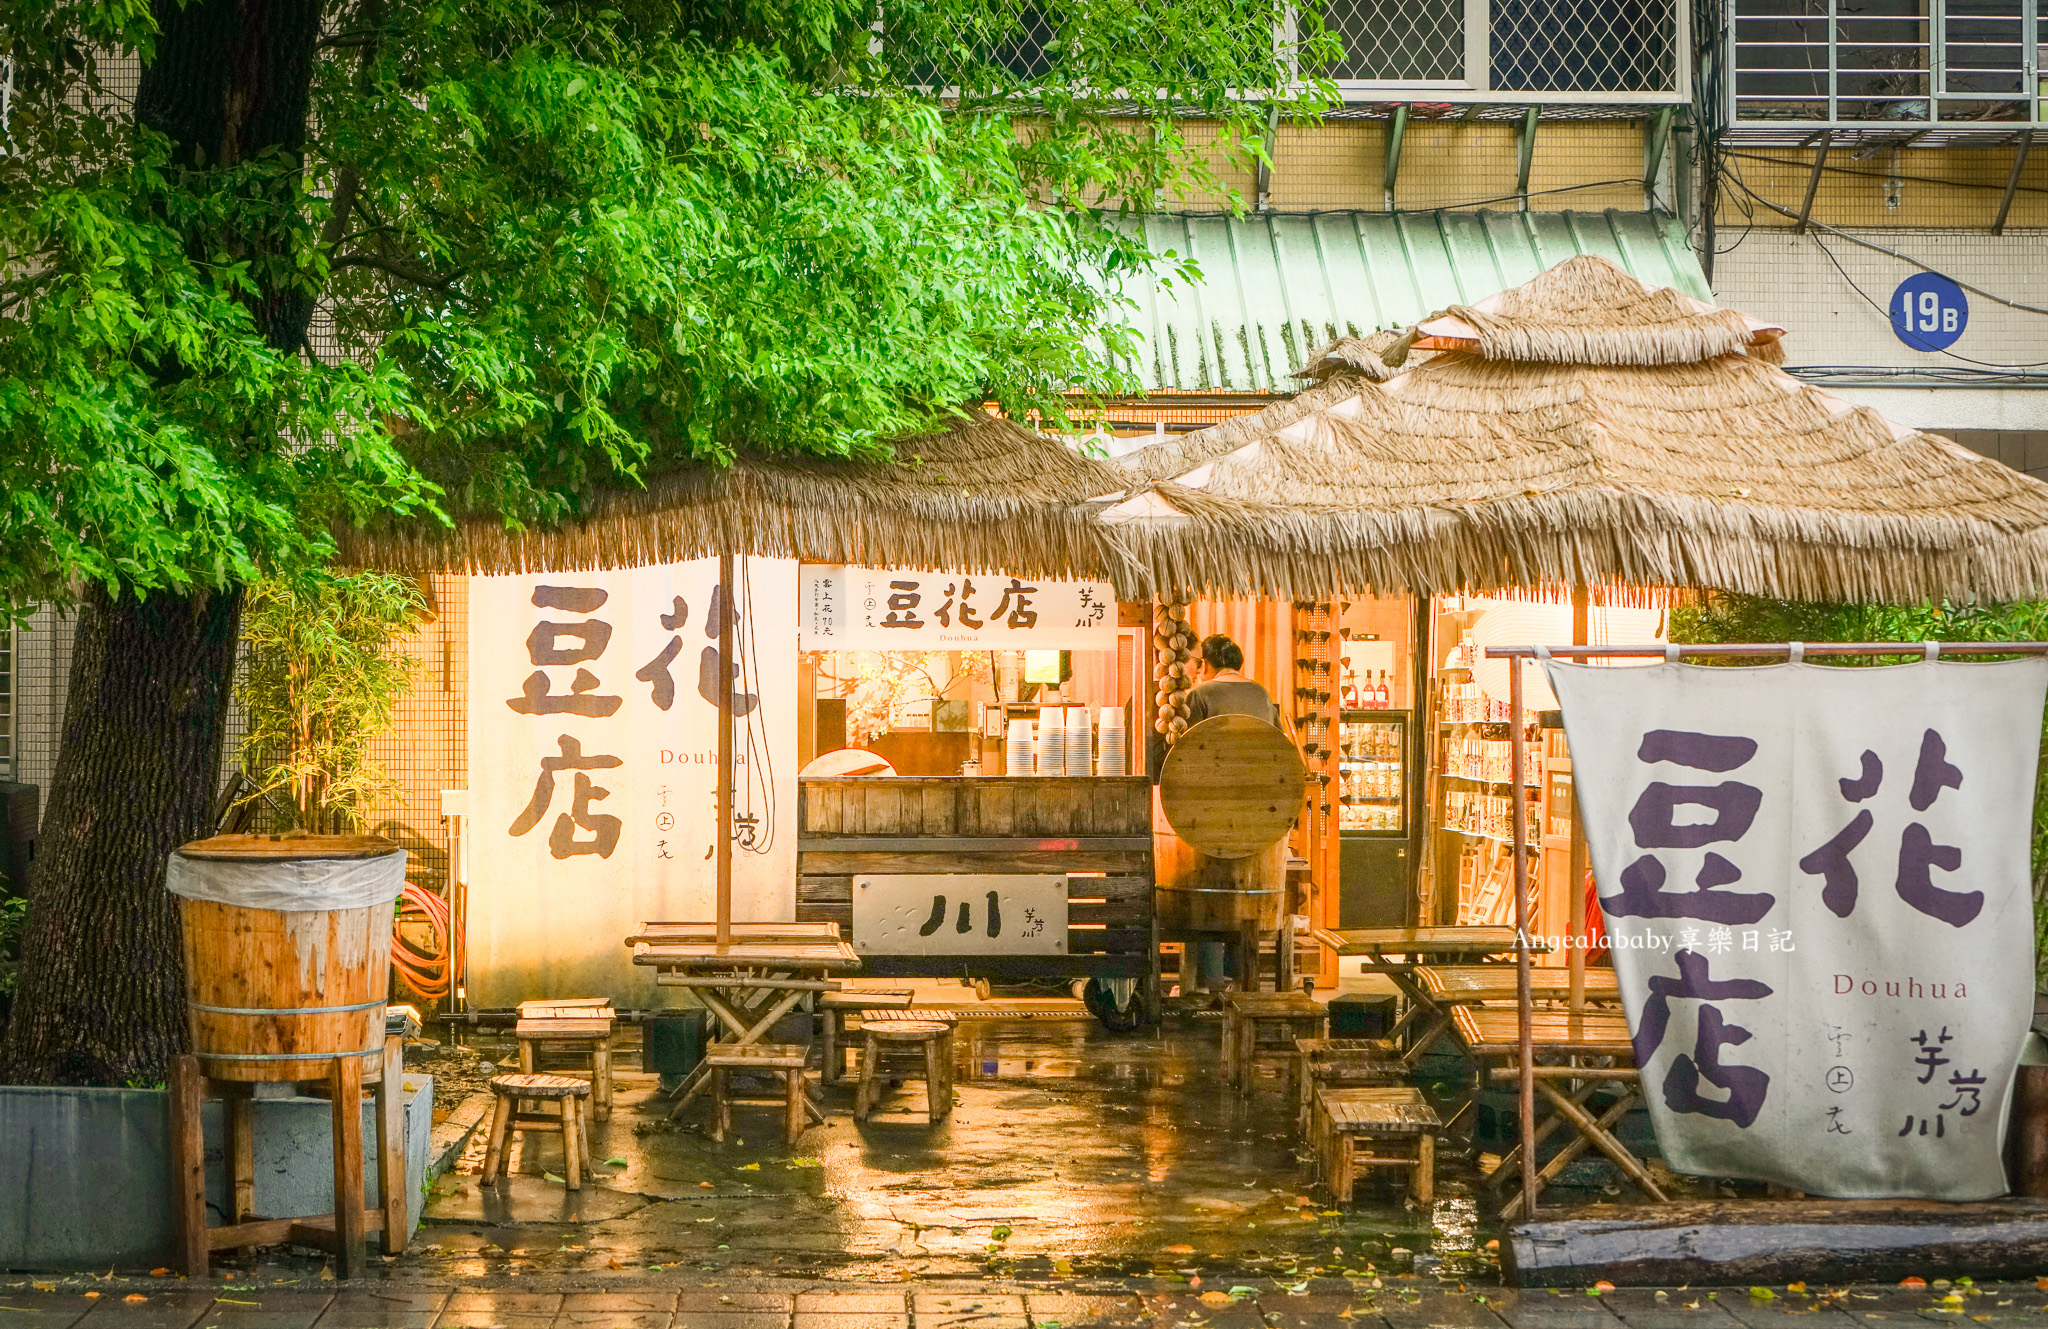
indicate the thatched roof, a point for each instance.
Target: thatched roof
{"x":985,"y":494}
{"x":1583,"y":429}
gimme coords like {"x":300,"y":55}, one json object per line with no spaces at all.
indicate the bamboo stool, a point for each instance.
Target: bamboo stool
{"x":1360,"y":1128}
{"x":572,"y":1125}
{"x":577,"y":1025}
{"x":1343,"y":1063}
{"x":760,"y":1059}
{"x":342,"y":1232}
{"x":887,"y":1049}
{"x":1265,"y":1024}
{"x":834,"y":1006}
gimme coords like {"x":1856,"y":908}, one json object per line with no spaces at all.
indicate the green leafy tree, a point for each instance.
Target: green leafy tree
{"x":1743,"y":618}
{"x":321,"y":682}
{"x":270,"y":267}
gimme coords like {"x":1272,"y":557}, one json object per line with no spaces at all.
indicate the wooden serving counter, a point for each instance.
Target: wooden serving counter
{"x":856,"y":825}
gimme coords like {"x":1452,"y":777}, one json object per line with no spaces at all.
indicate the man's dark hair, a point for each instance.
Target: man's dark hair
{"x":1221,"y":652}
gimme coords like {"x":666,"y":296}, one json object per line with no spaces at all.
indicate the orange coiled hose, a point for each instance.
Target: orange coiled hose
{"x":428,"y":973}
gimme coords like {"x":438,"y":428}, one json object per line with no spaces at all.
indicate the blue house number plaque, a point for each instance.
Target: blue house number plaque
{"x":1929,"y":312}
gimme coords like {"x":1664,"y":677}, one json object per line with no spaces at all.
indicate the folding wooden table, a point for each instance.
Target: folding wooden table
{"x":747,"y":984}
{"x":1399,"y":952}
{"x":1492,"y":1033}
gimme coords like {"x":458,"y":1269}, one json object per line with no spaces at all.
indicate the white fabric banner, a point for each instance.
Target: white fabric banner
{"x":593,"y":745}
{"x":867,"y":609}
{"x":1815,"y":880}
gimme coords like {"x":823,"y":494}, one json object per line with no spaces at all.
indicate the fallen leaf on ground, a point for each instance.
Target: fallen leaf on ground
{"x":1921,"y":1282}
{"x":705,"y":1184}
{"x":750,"y":1167}
{"x":134,"y":1297}
{"x":1190,"y":1250}
{"x":1216,"y":1298}
{"x":159,"y":1272}
{"x":615,"y":1162}
{"x":999,"y":1234}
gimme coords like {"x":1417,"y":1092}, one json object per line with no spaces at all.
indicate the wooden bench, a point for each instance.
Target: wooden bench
{"x":576,"y":1025}
{"x":1265,"y":1024}
{"x":907,"y":1049}
{"x":769,"y":1059}
{"x":1354,"y":1129}
{"x":1343,"y":1063}
{"x":506,"y":1117}
{"x":834,"y":1007}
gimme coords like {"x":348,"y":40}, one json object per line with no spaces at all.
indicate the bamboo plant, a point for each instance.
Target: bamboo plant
{"x":321,"y":681}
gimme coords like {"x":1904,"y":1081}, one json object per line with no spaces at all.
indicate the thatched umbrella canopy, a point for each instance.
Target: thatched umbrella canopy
{"x":1584,"y":429}
{"x":983,"y":494}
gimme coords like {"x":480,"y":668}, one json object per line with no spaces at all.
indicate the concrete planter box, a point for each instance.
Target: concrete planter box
{"x":85,"y":1173}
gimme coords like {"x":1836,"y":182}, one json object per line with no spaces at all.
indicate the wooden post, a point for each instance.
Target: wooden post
{"x":391,"y":1183}
{"x":188,"y":1165}
{"x":1518,"y":816}
{"x":727,"y":604}
{"x":238,"y":1115}
{"x":1575,"y":892}
{"x":345,"y":1081}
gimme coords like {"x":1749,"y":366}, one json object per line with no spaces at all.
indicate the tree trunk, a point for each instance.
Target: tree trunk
{"x":101,"y":998}
{"x":102,"y":995}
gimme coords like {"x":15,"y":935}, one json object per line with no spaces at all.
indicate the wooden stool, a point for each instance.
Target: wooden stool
{"x":1343,"y":1063}
{"x":834,"y":1006}
{"x":887,"y":1047}
{"x":761,"y":1059}
{"x":1265,"y":1024}
{"x":572,"y":1125}
{"x":1359,"y":1128}
{"x":341,"y":1232}
{"x":582,"y":1025}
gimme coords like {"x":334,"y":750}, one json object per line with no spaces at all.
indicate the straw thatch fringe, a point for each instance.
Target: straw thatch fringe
{"x":1355,"y":355}
{"x":984,"y":495}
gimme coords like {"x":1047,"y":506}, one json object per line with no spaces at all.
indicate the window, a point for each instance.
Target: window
{"x":1847,"y":61}
{"x":1558,"y":47}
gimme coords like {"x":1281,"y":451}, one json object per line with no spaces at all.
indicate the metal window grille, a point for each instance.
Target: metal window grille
{"x":6,"y":703}
{"x":1535,"y":46}
{"x":1825,"y":62}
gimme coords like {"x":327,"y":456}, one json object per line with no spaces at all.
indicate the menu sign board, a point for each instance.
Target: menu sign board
{"x":870,"y":609}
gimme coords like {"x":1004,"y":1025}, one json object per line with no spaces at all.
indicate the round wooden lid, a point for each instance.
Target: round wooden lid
{"x":289,"y":846}
{"x":1232,"y":786}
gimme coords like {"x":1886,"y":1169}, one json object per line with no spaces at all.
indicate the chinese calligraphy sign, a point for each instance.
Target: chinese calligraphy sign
{"x":1815,"y":882}
{"x":592,"y":717}
{"x":865,"y":609}
{"x":963,"y":914}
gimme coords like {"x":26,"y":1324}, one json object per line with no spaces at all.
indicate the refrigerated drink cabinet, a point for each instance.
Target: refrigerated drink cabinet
{"x":1373,"y":811}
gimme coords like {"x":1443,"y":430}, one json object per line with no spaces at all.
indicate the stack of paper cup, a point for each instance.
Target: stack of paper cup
{"x":1052,"y":741}
{"x":1017,"y":747}
{"x":1112,"y":744}
{"x":1080,"y":756}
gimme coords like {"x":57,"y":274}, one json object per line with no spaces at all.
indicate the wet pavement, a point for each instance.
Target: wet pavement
{"x":1323,"y":1303}
{"x":1070,"y":1150}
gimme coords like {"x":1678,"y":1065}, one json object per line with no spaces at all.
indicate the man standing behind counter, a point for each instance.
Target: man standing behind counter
{"x":1220,"y":689}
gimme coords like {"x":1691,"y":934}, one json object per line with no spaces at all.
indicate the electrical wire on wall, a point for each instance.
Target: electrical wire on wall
{"x":754,"y":803}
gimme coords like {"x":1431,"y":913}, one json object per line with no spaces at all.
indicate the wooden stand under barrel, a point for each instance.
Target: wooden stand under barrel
{"x":282,"y":996}
{"x":1230,"y":790}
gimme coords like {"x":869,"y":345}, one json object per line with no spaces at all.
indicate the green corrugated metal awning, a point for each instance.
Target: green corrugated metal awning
{"x":1275,"y":286}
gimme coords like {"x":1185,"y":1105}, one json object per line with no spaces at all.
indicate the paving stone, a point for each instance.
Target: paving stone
{"x":42,"y":1310}
{"x":509,"y":1303}
{"x":731,"y":1320}
{"x":654,"y":1299}
{"x":943,"y":1310}
{"x":735,"y":1301}
{"x":1436,"y":1310}
{"x":427,"y":1300}
{"x":1076,"y":1311}
{"x":851,"y":1319}
{"x":1779,"y":1311}
{"x":159,"y":1310}
{"x":1639,"y":1308}
{"x":893,"y":1302}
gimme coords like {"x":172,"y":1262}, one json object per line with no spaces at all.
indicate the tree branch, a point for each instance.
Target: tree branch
{"x":392,"y":267}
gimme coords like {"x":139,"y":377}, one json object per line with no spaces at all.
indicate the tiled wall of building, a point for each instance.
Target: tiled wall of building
{"x":2022,"y":449}
{"x":1834,"y":295}
{"x":1904,"y":188}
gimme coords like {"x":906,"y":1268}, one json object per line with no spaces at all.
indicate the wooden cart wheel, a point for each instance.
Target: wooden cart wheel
{"x":1232,"y":786}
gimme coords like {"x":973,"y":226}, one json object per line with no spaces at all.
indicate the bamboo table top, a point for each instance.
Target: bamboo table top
{"x":1448,"y":942}
{"x":1494,"y":1031}
{"x":826,"y":955}
{"x":659,"y":932}
{"x":1496,"y":982}
{"x":567,"y":1029}
{"x":1378,"y":1111}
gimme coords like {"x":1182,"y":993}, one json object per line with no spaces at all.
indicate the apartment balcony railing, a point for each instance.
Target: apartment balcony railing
{"x":1921,"y":69}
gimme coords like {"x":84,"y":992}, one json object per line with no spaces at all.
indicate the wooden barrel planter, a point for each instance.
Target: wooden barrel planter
{"x":1231,"y":788}
{"x":287,"y":950}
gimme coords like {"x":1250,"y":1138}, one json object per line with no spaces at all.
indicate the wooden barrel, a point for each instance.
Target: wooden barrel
{"x":1230,"y":790}
{"x":277,"y":992}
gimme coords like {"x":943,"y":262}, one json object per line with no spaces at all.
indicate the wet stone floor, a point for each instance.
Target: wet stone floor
{"x":1069,"y":1151}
